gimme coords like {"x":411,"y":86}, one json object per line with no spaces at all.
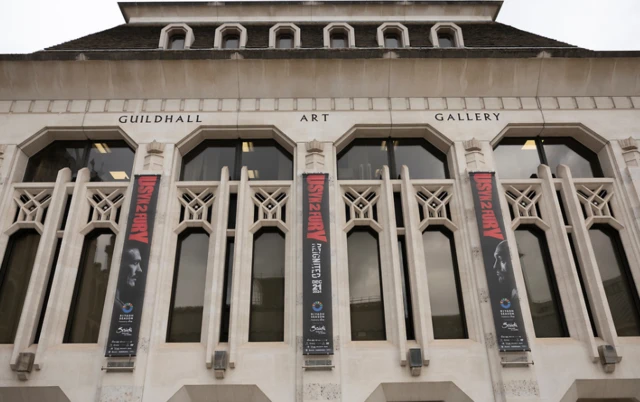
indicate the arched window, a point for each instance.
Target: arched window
{"x":445,"y":295}
{"x":264,"y":159}
{"x":15,"y":275}
{"x":539,"y":278}
{"x":363,"y":159}
{"x":446,"y":40}
{"x":519,"y":157}
{"x":617,"y":280}
{"x":187,"y":293}
{"x":266,"y":320}
{"x":85,"y":314}
{"x":338,"y":40}
{"x":284,"y":41}
{"x":106,"y":160}
{"x":365,"y":286}
{"x":392,"y":40}
{"x":176,"y":42}
{"x":231,"y":41}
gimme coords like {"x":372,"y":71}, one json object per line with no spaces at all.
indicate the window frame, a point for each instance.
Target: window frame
{"x":176,"y":29}
{"x":283,"y":29}
{"x":230,"y":29}
{"x":393,"y":27}
{"x":449,"y":28}
{"x":339,"y":27}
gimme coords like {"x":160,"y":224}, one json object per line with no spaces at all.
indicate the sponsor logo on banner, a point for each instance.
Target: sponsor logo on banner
{"x":503,"y":293}
{"x":134,"y":266}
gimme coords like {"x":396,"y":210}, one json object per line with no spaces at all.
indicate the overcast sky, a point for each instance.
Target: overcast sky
{"x":31,"y":25}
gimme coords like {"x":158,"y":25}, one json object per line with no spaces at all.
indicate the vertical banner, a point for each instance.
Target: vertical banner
{"x":132,"y":277}
{"x":316,"y":260}
{"x":503,"y":294}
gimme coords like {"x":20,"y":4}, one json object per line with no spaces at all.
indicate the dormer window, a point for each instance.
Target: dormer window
{"x":177,"y":42}
{"x":393,"y":35}
{"x":446,"y":35}
{"x":284,"y":36}
{"x":176,"y":37}
{"x":339,"y":35}
{"x":231,"y":41}
{"x":230,"y":36}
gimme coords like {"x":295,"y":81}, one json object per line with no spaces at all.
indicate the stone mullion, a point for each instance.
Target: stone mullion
{"x":564,"y":267}
{"x":41,"y":267}
{"x":588,"y":263}
{"x":422,"y":323}
{"x":392,"y":274}
{"x":216,"y":268}
{"x":241,"y":281}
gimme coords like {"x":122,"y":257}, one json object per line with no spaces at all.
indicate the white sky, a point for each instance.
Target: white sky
{"x":30,"y":25}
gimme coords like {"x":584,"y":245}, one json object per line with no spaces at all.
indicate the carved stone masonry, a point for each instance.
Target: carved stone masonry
{"x":630,"y":152}
{"x":154,"y":158}
{"x":474,"y":155}
{"x":314,"y":160}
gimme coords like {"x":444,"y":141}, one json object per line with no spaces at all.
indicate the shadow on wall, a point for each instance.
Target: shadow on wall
{"x":32,"y":394}
{"x":609,"y":390}
{"x":222,"y":393}
{"x":445,"y":391}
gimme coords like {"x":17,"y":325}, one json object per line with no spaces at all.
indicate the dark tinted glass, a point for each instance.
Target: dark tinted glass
{"x":285,"y":41}
{"x":226,"y":291}
{"x":444,"y":285}
{"x":423,"y":160}
{"x":233,"y":209}
{"x":106,"y":160}
{"x":391,"y":41}
{"x":187,"y":295}
{"x":585,"y":295}
{"x":110,"y":161}
{"x":231,"y":42}
{"x":266,"y":322}
{"x":617,"y":280}
{"x":406,"y":286}
{"x":363,"y":160}
{"x":539,"y":278}
{"x":205,"y":162}
{"x":365,"y":287}
{"x":567,"y":151}
{"x":517,"y":158}
{"x":45,"y":303}
{"x":176,"y":42}
{"x":14,"y":280}
{"x":338,"y":41}
{"x":266,"y":160}
{"x":83,"y":324}
{"x":44,"y":166}
{"x":445,"y":40}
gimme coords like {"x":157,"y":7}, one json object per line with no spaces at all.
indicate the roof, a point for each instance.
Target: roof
{"x":146,"y":37}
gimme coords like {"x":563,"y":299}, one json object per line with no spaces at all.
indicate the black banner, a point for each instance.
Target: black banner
{"x":316,"y":260}
{"x":132,"y":277}
{"x":503,"y":294}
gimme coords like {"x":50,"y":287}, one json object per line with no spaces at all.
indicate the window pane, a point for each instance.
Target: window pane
{"x":205,"y":162}
{"x":423,"y":159}
{"x":226,"y":291}
{"x":266,"y":160}
{"x":617,"y":280}
{"x":44,"y":166}
{"x":338,"y":41}
{"x":14,"y":280}
{"x":177,"y":42}
{"x":585,"y":295}
{"x":110,"y":161}
{"x":285,"y":41}
{"x":83,"y":324}
{"x":231,"y":42}
{"x":363,"y":160}
{"x":391,"y":41}
{"x":365,"y":287}
{"x":266,"y":322}
{"x":445,"y":41}
{"x":517,"y":158}
{"x":444,"y":286}
{"x":47,"y":293}
{"x":539,"y":279}
{"x":567,"y":151}
{"x":406,"y":286}
{"x":187,"y":296}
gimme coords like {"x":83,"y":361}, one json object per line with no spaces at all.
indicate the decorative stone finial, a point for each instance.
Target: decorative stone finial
{"x":472,"y":145}
{"x":154,"y":159}
{"x":474,"y":155}
{"x":155,"y":147}
{"x":630,"y":151}
{"x":314,"y":159}
{"x":629,"y":144}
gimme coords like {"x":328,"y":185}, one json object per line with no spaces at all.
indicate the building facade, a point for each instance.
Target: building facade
{"x":228,"y":107}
